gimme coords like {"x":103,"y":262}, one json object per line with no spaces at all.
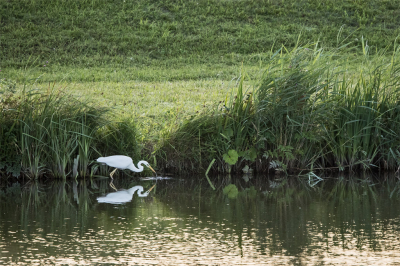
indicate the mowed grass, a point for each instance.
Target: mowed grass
{"x":122,"y":33}
{"x":153,"y":100}
{"x":156,"y":92}
{"x":167,"y":59}
{"x":226,"y":68}
{"x":155,"y":104}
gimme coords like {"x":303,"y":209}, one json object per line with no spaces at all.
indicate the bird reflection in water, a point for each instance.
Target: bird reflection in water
{"x":123,"y":196}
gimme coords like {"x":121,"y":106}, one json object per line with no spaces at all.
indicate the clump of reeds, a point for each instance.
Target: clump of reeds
{"x":362,"y":131}
{"x":310,"y":109}
{"x":55,"y":134}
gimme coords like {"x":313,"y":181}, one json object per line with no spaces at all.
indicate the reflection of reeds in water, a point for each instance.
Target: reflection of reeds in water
{"x":57,"y":204}
{"x":281,"y":215}
{"x":52,"y":204}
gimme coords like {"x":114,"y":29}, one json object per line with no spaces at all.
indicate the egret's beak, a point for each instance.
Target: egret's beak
{"x":151,"y":188}
{"x":152,"y":170}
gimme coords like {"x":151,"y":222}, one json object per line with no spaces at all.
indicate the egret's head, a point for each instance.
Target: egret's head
{"x":150,"y":189}
{"x":148,"y":165}
{"x":145,"y":194}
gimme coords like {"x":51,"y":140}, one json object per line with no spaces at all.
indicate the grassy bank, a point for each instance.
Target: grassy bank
{"x":305,"y":109}
{"x":184,"y":83}
{"x":124,"y":34}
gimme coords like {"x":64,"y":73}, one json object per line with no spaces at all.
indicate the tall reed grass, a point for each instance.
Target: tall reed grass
{"x":310,"y":109}
{"x":52,"y":133}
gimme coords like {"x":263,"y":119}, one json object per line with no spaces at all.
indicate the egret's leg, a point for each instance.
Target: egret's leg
{"x":112,"y":185}
{"x":112,"y":173}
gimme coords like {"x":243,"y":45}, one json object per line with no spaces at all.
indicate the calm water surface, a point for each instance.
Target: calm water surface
{"x":183,"y":222}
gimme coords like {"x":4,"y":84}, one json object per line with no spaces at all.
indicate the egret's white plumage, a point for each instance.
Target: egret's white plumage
{"x":123,"y":162}
{"x":124,"y":196}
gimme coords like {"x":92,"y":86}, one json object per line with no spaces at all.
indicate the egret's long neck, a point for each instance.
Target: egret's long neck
{"x":134,"y":169}
{"x":132,"y":190}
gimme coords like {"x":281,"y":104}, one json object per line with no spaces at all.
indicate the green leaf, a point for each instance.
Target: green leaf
{"x":250,"y":154}
{"x":231,"y":157}
{"x":231,"y":191}
{"x":246,"y":169}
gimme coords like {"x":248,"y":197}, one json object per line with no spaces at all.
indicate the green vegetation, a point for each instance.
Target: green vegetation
{"x":118,"y":33}
{"x":311,"y":110}
{"x":52,"y":133}
{"x":267,"y":85}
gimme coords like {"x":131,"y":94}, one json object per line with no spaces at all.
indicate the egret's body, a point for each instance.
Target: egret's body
{"x":123,"y":162}
{"x":155,"y":178}
{"x":123,"y":196}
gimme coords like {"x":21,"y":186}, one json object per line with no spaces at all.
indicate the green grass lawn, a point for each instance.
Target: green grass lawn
{"x":118,"y":33}
{"x":152,"y":96}
{"x":152,"y":58}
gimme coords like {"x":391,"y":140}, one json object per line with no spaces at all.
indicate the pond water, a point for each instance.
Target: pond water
{"x":267,"y":221}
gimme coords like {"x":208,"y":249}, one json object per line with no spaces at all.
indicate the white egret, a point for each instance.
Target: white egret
{"x":155,"y":178}
{"x":123,"y":162}
{"x":123,"y":196}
